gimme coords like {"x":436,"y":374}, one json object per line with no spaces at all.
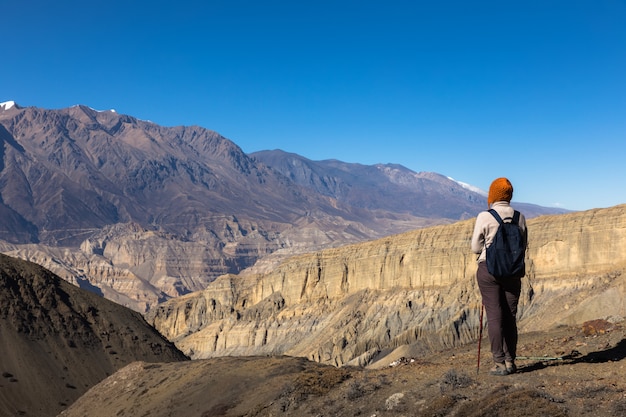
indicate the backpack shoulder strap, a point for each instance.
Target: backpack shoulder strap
{"x":496,"y":215}
{"x":516,"y":217}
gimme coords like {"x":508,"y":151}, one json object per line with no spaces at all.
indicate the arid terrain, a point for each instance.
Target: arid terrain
{"x":569,"y":371}
{"x":393,"y":313}
{"x":208,"y":282}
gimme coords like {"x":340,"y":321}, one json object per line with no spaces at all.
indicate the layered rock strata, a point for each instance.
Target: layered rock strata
{"x":356,"y":304}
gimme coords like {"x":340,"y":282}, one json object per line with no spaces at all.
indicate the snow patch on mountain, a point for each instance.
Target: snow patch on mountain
{"x":96,"y":110}
{"x":469,"y":187}
{"x":7,"y":105}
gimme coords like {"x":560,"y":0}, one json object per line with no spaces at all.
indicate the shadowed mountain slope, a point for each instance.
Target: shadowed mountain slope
{"x":57,"y":341}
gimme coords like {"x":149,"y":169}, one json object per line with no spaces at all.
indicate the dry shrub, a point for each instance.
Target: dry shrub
{"x":453,"y":380}
{"x":320,"y":381}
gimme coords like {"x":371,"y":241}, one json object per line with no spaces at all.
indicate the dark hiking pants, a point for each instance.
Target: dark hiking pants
{"x":500,"y":301}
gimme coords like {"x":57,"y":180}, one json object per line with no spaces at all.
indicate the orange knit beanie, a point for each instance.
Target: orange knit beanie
{"x":500,"y":190}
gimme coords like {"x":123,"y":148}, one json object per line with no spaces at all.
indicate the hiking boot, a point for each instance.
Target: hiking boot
{"x":510,"y":367}
{"x":499,"y":369}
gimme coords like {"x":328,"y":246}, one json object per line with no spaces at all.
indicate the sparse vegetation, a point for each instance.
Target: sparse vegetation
{"x":453,"y":380}
{"x":355,"y":390}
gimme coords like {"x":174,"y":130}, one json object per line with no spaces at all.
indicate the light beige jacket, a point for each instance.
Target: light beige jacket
{"x":486,"y":226}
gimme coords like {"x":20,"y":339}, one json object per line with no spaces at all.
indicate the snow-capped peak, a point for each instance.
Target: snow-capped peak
{"x":7,"y":105}
{"x":469,"y":187}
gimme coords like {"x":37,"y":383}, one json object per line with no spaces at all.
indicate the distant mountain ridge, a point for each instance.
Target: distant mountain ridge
{"x":391,"y":187}
{"x":375,"y":187}
{"x":168,"y":209}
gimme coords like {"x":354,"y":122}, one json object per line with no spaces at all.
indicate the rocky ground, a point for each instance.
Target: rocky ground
{"x":570,"y":371}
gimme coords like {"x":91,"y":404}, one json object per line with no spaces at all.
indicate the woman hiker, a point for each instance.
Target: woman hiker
{"x":499,"y":297}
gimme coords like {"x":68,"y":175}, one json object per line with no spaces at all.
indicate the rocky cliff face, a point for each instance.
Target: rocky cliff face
{"x":138,"y":268}
{"x":417,"y":291}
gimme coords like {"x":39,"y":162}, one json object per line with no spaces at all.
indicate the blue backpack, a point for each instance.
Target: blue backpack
{"x":505,"y":255}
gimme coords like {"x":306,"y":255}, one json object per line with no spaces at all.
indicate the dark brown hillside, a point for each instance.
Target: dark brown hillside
{"x":56,"y":340}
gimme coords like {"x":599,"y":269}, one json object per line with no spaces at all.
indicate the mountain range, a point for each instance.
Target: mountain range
{"x":166,"y":210}
{"x":160,"y":220}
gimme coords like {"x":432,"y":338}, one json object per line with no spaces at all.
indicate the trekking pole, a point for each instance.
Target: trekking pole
{"x":480,"y":336}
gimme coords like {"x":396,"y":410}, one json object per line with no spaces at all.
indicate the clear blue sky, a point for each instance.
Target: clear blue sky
{"x":533,"y":90}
